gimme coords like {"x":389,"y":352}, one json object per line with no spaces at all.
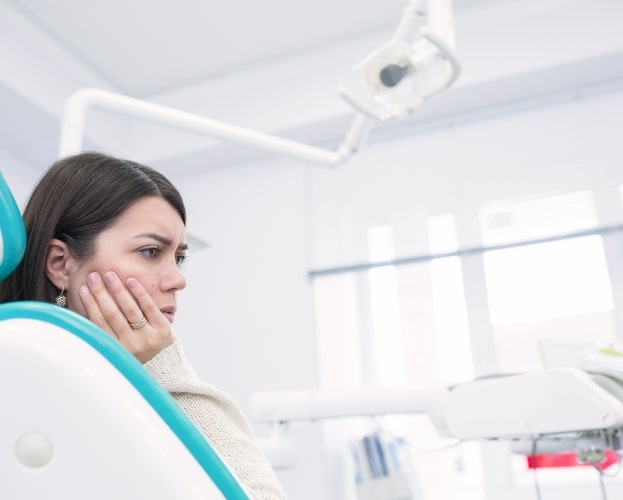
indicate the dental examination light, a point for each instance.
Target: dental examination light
{"x":416,"y":64}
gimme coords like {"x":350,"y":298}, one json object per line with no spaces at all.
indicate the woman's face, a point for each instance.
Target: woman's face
{"x":148,"y":243}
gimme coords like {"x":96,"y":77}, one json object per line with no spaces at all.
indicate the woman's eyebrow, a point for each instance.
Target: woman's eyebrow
{"x":162,"y":240}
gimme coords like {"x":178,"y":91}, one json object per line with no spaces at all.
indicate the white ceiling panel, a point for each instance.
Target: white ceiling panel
{"x":143,"y":47}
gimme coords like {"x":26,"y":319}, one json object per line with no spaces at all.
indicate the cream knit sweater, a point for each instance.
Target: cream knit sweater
{"x":219,"y":419}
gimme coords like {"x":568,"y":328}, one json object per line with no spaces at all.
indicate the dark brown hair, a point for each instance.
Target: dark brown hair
{"x":75,"y":200}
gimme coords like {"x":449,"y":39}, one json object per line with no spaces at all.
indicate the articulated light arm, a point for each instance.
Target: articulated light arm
{"x":416,"y":64}
{"x":74,"y":123}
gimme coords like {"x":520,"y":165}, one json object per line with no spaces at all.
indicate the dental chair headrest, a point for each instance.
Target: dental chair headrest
{"x":12,"y":232}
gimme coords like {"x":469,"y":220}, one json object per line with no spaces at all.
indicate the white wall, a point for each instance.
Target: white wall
{"x":19,"y":176}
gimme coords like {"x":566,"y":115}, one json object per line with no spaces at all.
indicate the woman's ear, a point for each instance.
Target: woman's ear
{"x":57,"y":263}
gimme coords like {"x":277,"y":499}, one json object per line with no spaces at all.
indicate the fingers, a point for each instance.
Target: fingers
{"x":114,"y":306}
{"x":144,"y":301}
{"x":131,"y":311}
{"x":93,"y":311}
{"x":117,"y":311}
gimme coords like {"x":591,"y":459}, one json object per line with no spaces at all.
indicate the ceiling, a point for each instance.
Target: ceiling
{"x":204,"y":56}
{"x":149,"y":48}
{"x":144,"y":47}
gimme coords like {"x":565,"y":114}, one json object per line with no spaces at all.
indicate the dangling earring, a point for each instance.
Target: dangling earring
{"x":61,"y":300}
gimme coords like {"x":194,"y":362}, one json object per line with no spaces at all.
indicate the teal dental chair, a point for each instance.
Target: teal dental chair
{"x":80,"y":417}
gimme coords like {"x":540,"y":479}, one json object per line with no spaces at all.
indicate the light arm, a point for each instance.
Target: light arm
{"x":421,"y":45}
{"x":77,"y":106}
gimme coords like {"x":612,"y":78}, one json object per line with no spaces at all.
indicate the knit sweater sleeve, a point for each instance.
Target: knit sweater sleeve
{"x":219,"y":419}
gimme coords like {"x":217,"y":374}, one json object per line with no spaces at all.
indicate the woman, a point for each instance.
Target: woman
{"x":106,"y":239}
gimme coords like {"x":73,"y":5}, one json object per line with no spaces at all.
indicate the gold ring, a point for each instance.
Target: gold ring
{"x":139,"y":324}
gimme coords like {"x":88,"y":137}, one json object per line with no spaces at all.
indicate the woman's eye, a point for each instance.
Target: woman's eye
{"x":181,"y":260}
{"x":151,"y":252}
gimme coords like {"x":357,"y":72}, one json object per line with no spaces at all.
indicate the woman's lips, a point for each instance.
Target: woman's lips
{"x":170,"y":315}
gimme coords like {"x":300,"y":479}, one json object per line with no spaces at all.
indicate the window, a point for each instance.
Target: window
{"x":552,"y":279}
{"x":387,"y":345}
{"x":455,"y":355}
{"x":548,"y":280}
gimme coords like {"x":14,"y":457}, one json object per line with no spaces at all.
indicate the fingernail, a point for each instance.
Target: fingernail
{"x":132,"y":283}
{"x":110,"y":277}
{"x":93,"y":278}
{"x":84,"y":290}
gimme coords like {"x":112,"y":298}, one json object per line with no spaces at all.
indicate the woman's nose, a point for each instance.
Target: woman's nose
{"x":173,"y":278}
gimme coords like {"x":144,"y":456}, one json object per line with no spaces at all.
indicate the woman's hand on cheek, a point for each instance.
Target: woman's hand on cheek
{"x":114,"y":306}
